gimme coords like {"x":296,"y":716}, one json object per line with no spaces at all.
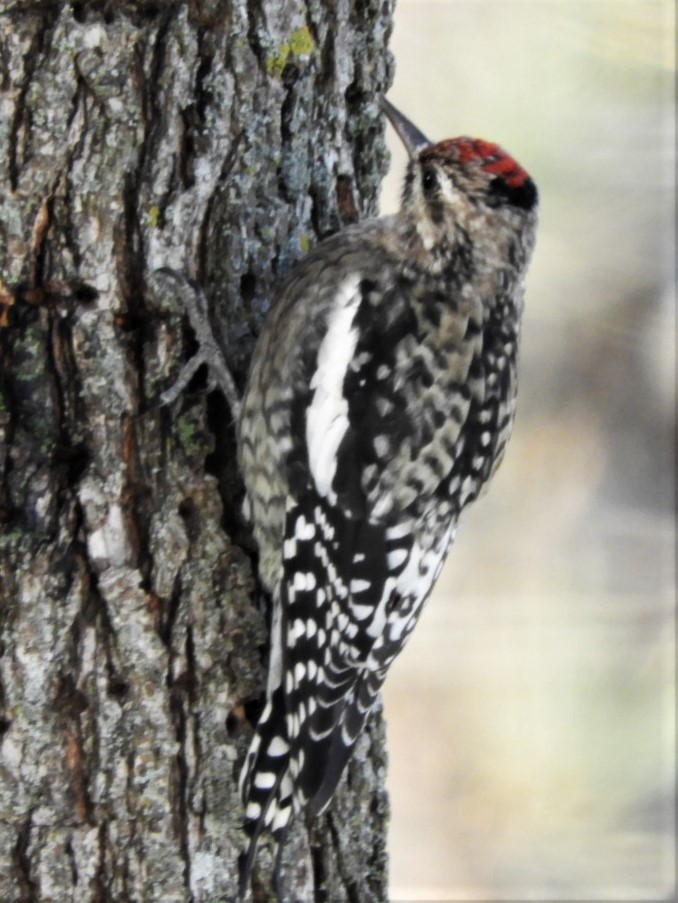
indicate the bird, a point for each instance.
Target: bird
{"x":379,"y":403}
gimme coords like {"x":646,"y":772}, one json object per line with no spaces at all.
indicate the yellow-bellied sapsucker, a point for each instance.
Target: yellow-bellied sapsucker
{"x":379,"y":403}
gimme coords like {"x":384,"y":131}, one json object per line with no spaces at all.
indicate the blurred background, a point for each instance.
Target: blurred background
{"x":531,"y":718}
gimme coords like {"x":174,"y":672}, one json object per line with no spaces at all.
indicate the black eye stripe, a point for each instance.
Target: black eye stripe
{"x":524,"y":196}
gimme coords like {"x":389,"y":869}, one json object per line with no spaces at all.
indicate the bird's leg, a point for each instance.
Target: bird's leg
{"x":209,"y":350}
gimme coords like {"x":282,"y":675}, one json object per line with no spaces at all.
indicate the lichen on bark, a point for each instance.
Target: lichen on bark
{"x":138,"y":135}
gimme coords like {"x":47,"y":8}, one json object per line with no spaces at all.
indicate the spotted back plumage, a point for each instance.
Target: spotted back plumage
{"x":380,"y":401}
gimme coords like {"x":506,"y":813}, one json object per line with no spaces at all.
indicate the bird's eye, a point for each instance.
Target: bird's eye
{"x":429,"y":180}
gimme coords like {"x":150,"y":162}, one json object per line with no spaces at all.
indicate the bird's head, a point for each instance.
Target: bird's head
{"x":464,"y":190}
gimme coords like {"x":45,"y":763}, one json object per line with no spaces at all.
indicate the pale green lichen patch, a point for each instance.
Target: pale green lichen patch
{"x":154,"y":217}
{"x":300,"y":44}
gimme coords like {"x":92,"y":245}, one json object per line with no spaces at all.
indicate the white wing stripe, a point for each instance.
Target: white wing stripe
{"x":327,"y":415}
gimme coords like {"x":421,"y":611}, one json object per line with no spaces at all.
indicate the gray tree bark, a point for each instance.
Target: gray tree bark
{"x":221,"y":138}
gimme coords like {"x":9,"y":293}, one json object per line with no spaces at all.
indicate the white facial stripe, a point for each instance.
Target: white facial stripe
{"x":447,"y":189}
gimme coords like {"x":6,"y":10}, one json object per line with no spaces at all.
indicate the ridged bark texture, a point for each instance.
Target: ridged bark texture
{"x":220,"y":139}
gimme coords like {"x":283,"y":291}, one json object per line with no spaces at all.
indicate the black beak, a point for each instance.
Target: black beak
{"x":409,"y":134}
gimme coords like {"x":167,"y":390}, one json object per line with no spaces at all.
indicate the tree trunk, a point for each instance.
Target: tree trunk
{"x":220,"y":138}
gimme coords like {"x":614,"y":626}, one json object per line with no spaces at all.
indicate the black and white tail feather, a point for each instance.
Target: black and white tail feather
{"x":329,"y":660}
